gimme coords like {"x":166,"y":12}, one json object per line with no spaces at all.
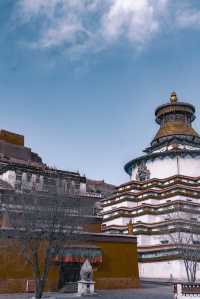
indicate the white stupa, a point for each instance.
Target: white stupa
{"x":165,"y":182}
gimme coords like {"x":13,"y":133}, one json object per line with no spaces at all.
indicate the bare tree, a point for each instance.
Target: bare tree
{"x":185,"y":235}
{"x":42,"y":226}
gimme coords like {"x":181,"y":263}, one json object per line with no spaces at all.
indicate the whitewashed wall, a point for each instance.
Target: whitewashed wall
{"x":118,"y":221}
{"x":168,"y":167}
{"x":83,"y":187}
{"x":10,"y":177}
{"x":166,"y":270}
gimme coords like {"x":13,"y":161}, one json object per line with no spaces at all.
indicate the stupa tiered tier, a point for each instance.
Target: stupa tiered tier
{"x":163,"y":194}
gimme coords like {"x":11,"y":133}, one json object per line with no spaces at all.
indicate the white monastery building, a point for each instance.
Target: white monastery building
{"x":163,"y":194}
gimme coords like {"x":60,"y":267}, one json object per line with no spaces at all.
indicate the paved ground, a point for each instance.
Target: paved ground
{"x":147,"y":291}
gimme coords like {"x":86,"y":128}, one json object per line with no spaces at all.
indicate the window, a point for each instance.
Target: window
{"x":193,"y":219}
{"x":164,"y":241}
{"x":29,"y":176}
{"x":18,"y":176}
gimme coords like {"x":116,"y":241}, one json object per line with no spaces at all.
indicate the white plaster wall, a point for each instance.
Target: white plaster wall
{"x":164,"y":217}
{"x":147,"y":218}
{"x":131,"y":204}
{"x":125,"y":204}
{"x":145,"y":240}
{"x":118,"y":221}
{"x":106,"y":209}
{"x":150,"y":218}
{"x":168,"y":167}
{"x":190,"y":166}
{"x":159,"y":168}
{"x":83,"y":187}
{"x":125,"y":220}
{"x":171,"y":199}
{"x":10,"y":177}
{"x":156,"y":202}
{"x":166,"y":270}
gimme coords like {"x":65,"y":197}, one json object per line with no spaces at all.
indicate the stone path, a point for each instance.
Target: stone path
{"x":147,"y":291}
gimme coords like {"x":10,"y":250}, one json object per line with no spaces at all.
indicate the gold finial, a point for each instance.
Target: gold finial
{"x":130,"y":227}
{"x":173,"y":98}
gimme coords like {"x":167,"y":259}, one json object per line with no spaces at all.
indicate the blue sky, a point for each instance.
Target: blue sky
{"x":81,"y":78}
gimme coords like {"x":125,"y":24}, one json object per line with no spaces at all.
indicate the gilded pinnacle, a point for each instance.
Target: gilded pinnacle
{"x":173,"y":98}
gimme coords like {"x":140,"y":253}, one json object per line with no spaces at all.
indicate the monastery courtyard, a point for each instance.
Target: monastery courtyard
{"x":147,"y":291}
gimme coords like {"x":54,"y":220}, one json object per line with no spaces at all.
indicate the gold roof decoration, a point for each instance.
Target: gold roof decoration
{"x":175,"y":118}
{"x":173,"y":98}
{"x":175,"y":128}
{"x":130,"y":227}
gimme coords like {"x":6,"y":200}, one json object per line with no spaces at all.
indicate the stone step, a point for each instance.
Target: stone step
{"x":69,"y":287}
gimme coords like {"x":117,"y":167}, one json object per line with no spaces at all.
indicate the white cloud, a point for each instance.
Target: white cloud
{"x":59,"y":34}
{"x":49,"y":8}
{"x":138,"y":20}
{"x":82,"y":25}
{"x":62,"y":22}
{"x":188,"y":18}
{"x":30,"y":8}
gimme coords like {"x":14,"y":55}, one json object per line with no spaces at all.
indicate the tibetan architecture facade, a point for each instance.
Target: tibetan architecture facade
{"x":29,"y":185}
{"x":162,"y":197}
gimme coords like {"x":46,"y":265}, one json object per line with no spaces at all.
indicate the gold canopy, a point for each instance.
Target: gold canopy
{"x":169,"y":127}
{"x":175,"y":128}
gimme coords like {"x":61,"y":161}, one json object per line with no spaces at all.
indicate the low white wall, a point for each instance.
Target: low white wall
{"x":162,"y":270}
{"x":168,"y":270}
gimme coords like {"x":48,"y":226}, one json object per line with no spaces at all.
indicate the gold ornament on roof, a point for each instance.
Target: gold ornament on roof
{"x":173,"y":98}
{"x":130,"y":228}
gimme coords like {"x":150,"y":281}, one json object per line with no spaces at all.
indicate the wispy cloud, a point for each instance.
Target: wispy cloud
{"x":137,"y":20}
{"x":188,"y":18}
{"x":83,"y":25}
{"x":62,"y":22}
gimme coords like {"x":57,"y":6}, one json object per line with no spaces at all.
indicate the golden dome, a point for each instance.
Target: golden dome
{"x":175,"y":128}
{"x":175,"y":118}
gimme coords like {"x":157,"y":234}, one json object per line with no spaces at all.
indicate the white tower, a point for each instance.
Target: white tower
{"x":163,"y":197}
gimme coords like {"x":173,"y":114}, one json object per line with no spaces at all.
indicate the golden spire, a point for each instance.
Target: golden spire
{"x":130,"y":227}
{"x":173,"y":98}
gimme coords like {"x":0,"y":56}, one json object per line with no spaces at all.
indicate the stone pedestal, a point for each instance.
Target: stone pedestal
{"x":85,"y":287}
{"x":187,"y":291}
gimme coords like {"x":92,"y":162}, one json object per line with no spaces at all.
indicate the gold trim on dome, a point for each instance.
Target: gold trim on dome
{"x":179,"y":107}
{"x":174,"y":106}
{"x":175,"y":128}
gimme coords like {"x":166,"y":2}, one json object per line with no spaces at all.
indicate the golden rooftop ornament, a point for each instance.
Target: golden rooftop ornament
{"x":173,"y":98}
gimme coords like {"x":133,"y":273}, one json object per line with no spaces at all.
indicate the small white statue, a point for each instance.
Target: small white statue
{"x":86,"y":271}
{"x":86,"y":284}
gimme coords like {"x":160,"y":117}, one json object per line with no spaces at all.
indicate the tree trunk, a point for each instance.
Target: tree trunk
{"x":39,"y":289}
{"x":187,"y":269}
